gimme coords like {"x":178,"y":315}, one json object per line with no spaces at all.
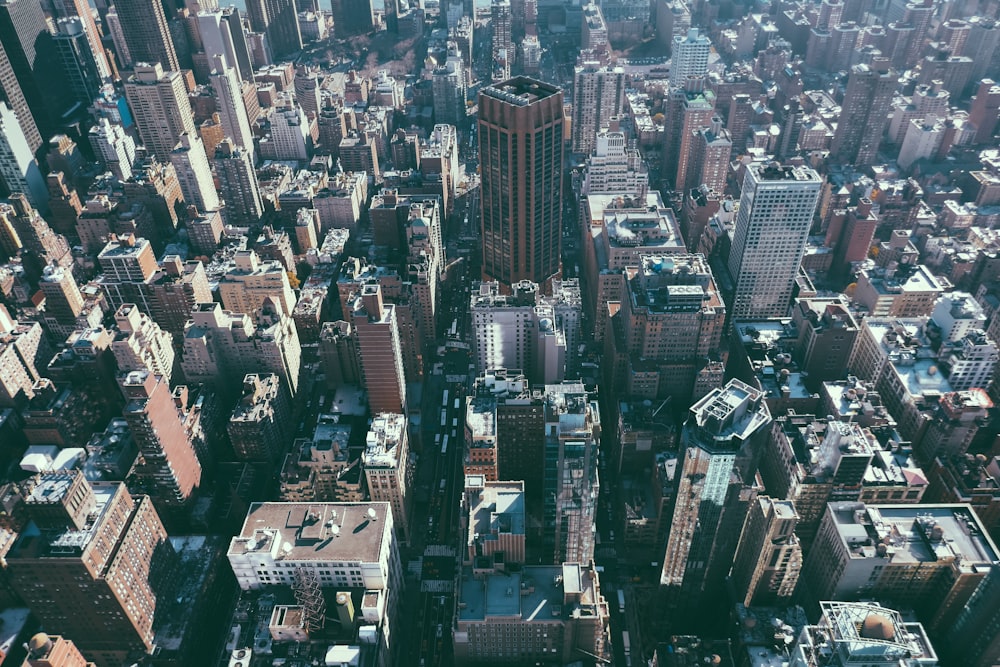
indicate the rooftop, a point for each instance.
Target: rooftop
{"x":352,"y":532}
{"x":497,"y":509}
{"x":915,"y":534}
{"x":520,"y":91}
{"x":536,"y":594}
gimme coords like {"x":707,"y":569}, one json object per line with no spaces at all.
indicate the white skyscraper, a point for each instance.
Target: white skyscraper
{"x":232,"y":110}
{"x":160,"y":103}
{"x":690,"y":57}
{"x":194,"y":174}
{"x":18,"y":168}
{"x":776,"y":211}
{"x":114,"y":148}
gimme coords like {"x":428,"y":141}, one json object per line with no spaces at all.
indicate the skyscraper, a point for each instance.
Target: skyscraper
{"x":238,"y":185}
{"x":503,"y":42}
{"x":114,"y":148}
{"x":11,"y":93}
{"x":776,"y":211}
{"x":169,"y":468}
{"x":520,"y":153}
{"x":689,"y":57}
{"x":387,"y":469}
{"x":147,"y":35}
{"x":720,"y":441}
{"x":217,"y":38}
{"x":375,"y":326}
{"x":352,"y":17}
{"x":229,"y":101}
{"x":598,"y":94}
{"x":80,"y":10}
{"x":159,"y":101}
{"x":768,"y":559}
{"x":79,"y":64}
{"x":116,"y":563}
{"x":571,"y":486}
{"x":28,"y":44}
{"x":18,"y":168}
{"x":193,"y":172}
{"x":278,"y":20}
{"x":865,"y":113}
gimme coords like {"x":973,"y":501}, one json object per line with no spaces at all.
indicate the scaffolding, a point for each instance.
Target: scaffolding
{"x":309,"y":596}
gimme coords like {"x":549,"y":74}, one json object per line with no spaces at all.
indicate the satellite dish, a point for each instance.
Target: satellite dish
{"x":335,"y":529}
{"x":286,"y":547}
{"x":372,"y":515}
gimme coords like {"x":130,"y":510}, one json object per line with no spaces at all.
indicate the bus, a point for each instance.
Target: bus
{"x":627,"y":647}
{"x":444,"y":417}
{"x":444,"y":445}
{"x":621,"y":597}
{"x":444,"y":402}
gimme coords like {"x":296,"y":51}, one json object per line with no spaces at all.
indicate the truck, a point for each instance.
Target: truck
{"x":621,"y":603}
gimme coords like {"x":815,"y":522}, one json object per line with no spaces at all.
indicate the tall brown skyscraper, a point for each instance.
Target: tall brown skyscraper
{"x":521,"y":154}
{"x":169,"y":469}
{"x":94,"y":548}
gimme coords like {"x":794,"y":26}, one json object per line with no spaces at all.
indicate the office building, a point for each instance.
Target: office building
{"x":114,"y":148}
{"x":230,"y":105}
{"x":670,"y":322}
{"x":862,"y":632}
{"x":63,"y":301}
{"x":929,"y":558}
{"x":249,"y":281}
{"x":352,"y":17}
{"x":221,"y":347}
{"x":386,"y":461}
{"x":169,"y":470}
{"x":519,"y":426}
{"x":570,"y":481}
{"x":18,"y":168}
{"x":689,"y":57}
{"x":519,"y":330}
{"x":708,"y":158}
{"x":140,"y":343}
{"x":260,"y":423}
{"x":221,"y":33}
{"x":238,"y":185}
{"x":864,"y":114}
{"x":769,"y":557}
{"x":615,"y":167}
{"x":146,"y":33}
{"x":27,"y":42}
{"x":12,"y":95}
{"x":502,"y":42}
{"x":539,"y":614}
{"x":22,"y":228}
{"x":826,"y":334}
{"x":688,"y":109}
{"x":159,"y":100}
{"x":598,"y":95}
{"x":493,"y":522}
{"x":193,"y":173}
{"x":114,"y":549}
{"x":448,"y":82}
{"x":54,"y":651}
{"x":972,"y":640}
{"x":772,"y":226}
{"x":342,"y":547}
{"x":322,"y":468}
{"x":23,"y":350}
{"x":279,"y":22}
{"x":719,"y":445}
{"x":521,"y":188}
{"x":375,"y":326}
{"x":78,"y":60}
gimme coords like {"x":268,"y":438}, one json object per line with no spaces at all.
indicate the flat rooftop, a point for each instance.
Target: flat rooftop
{"x":916,"y":533}
{"x":315,"y":531}
{"x":534,"y":594}
{"x":520,"y":91}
